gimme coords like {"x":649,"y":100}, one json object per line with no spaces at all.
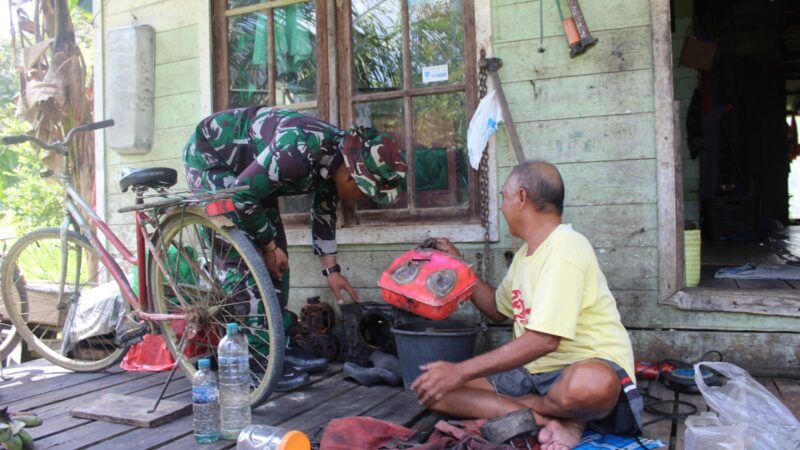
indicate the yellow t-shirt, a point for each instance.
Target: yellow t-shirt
{"x":560,"y":290}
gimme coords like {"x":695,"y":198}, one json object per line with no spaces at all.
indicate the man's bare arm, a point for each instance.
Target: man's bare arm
{"x":529,"y":346}
{"x":483,"y":298}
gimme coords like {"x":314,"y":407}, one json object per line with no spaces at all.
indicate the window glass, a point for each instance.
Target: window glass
{"x":384,"y":116}
{"x":248,"y":72}
{"x":377,"y":45}
{"x":295,"y":54}
{"x":441,"y":176}
{"x":436,"y":35}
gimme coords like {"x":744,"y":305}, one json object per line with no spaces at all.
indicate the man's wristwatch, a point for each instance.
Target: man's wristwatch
{"x":330,"y":270}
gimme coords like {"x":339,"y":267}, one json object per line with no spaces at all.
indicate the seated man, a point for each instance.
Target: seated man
{"x":281,"y":152}
{"x":571,"y":359}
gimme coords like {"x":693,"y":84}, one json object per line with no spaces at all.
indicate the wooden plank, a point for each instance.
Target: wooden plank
{"x":131,"y":410}
{"x":149,"y":438}
{"x":87,"y":435}
{"x":354,"y":403}
{"x":584,"y":139}
{"x":68,"y":391}
{"x":302,"y":401}
{"x":180,"y":431}
{"x":177,"y":110}
{"x":790,"y":393}
{"x":615,"y":225}
{"x":163,"y":15}
{"x":177,"y":77}
{"x":616,"y":50}
{"x":629,"y":267}
{"x":176,"y":45}
{"x":56,"y":416}
{"x":609,"y":182}
{"x":168,"y":144}
{"x":764,"y":284}
{"x":595,"y":95}
{"x":767,"y":302}
{"x":30,"y":384}
{"x":640,"y":309}
{"x":762,"y":354}
{"x":670,"y":274}
{"x":515,"y":21}
{"x":403,"y":408}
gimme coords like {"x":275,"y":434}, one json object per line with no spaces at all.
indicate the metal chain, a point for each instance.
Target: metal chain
{"x":484,"y":265}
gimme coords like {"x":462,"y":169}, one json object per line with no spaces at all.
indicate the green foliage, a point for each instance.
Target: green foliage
{"x":27,"y":200}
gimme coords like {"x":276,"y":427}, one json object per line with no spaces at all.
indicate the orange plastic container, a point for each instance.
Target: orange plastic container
{"x":427,"y":282}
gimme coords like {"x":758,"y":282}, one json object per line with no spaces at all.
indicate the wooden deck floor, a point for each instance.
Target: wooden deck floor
{"x":52,"y":392}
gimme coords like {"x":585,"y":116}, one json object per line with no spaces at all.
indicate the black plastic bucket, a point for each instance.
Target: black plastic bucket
{"x":426,"y":341}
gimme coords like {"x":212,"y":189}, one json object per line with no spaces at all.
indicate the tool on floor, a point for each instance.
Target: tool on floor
{"x":501,"y":429}
{"x":575,"y":28}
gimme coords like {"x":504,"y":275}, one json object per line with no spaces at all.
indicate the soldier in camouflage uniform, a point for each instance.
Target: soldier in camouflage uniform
{"x":280,"y":152}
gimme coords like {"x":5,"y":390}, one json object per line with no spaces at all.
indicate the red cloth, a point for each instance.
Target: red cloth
{"x":367,"y":433}
{"x":361,"y":433}
{"x":150,"y":355}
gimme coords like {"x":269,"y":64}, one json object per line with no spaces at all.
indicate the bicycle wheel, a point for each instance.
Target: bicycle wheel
{"x":69,"y":331}
{"x":221,"y":278}
{"x":9,"y":338}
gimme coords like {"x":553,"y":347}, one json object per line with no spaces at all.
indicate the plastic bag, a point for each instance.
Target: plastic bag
{"x":482,"y":125}
{"x":746,"y":416}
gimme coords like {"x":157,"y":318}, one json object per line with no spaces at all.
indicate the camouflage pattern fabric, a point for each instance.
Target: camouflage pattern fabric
{"x":376,"y":163}
{"x":276,"y":152}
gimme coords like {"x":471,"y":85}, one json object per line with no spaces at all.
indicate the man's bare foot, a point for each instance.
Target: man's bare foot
{"x":558,"y":434}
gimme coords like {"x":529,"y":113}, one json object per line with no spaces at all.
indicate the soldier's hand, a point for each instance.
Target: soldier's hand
{"x":277,"y":262}
{"x":337,"y":282}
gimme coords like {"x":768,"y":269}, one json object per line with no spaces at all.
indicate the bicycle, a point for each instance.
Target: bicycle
{"x":195,"y":273}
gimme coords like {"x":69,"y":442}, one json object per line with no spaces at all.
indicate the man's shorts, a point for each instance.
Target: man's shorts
{"x":625,"y":419}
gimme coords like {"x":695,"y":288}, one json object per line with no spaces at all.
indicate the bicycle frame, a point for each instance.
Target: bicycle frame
{"x":75,"y":206}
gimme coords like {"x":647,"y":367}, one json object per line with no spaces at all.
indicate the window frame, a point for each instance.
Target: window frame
{"x":336,"y":102}
{"x":347,"y":98}
{"x":221,"y":13}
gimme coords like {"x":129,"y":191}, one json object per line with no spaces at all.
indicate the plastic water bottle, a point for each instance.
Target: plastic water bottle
{"x":234,"y":383}
{"x":265,"y":437}
{"x":205,"y":406}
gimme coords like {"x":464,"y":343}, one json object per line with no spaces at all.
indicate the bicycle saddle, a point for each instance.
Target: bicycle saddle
{"x":153,"y":178}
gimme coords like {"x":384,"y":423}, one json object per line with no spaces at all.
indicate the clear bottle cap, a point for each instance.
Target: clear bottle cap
{"x":203,"y":363}
{"x":232,"y":328}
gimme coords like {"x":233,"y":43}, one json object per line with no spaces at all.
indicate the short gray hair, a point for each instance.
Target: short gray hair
{"x":543,"y":183}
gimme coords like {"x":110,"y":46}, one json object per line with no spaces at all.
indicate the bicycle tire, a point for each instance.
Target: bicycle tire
{"x":9,"y":337}
{"x":221,"y":277}
{"x":33,"y":264}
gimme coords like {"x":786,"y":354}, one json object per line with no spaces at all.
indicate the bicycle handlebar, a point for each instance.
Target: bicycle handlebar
{"x":18,"y":139}
{"x":58,"y":145}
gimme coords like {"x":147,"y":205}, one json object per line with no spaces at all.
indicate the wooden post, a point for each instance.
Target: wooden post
{"x":667,"y":182}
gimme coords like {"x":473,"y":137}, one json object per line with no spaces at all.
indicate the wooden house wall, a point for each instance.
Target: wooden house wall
{"x":593,"y":116}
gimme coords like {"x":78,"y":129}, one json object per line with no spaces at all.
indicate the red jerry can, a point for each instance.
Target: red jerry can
{"x":427,"y":282}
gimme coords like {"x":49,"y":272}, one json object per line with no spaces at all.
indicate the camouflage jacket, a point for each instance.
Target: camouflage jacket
{"x":277,"y":152}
